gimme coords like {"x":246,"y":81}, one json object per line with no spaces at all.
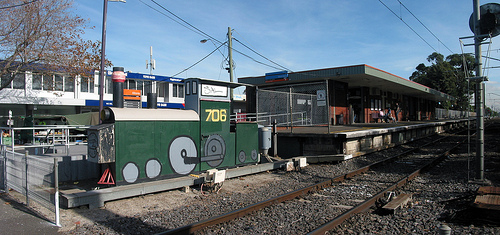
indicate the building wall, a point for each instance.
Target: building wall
{"x":35,"y":93}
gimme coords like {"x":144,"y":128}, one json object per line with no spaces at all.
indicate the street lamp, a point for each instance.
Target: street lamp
{"x":103,"y":48}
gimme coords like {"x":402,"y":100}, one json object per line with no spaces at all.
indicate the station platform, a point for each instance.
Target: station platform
{"x":341,"y":142}
{"x":334,"y":129}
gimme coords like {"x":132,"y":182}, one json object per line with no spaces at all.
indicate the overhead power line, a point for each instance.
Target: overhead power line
{"x":198,"y":61}
{"x":261,"y":55}
{"x":400,"y":18}
{"x":425,"y":27}
{"x":191,"y":27}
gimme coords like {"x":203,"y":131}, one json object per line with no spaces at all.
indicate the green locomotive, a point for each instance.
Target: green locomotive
{"x":150,"y":144}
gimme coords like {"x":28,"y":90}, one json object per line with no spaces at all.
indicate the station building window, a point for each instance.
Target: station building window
{"x":5,"y":81}
{"x":59,"y":82}
{"x":148,"y":87}
{"x":163,"y":89}
{"x":36,"y":81}
{"x":178,"y":90}
{"x":109,"y":85}
{"x":87,"y":85}
{"x":144,"y":86}
{"x":18,"y":82}
{"x":140,"y":86}
{"x":131,"y":84}
{"x":69,"y":84}
{"x":47,"y":83}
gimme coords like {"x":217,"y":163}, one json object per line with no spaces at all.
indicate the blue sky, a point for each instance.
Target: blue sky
{"x":296,"y":34}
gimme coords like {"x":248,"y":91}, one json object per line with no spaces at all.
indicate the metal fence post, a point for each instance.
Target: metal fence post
{"x":257,"y":105}
{"x":26,"y":175}
{"x":4,"y":170}
{"x":327,"y":106}
{"x":275,"y":140}
{"x":56,"y":194}
{"x":291,"y":110}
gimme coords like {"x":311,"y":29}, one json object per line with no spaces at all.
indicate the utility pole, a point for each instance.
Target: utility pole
{"x":480,"y":95}
{"x":230,"y":54}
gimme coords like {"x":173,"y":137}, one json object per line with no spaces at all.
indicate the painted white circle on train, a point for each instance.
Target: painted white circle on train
{"x":242,"y":156}
{"x":254,"y":155}
{"x":130,"y":172}
{"x":183,"y":155}
{"x":153,"y":168}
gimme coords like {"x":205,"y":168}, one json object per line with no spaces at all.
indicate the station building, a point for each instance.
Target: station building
{"x":340,"y":95}
{"x":41,"y":95}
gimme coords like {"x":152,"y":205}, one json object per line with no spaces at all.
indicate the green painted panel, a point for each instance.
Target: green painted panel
{"x":143,"y":148}
{"x":132,"y":147}
{"x":176,"y":141}
{"x":247,"y":142}
{"x":217,"y":145}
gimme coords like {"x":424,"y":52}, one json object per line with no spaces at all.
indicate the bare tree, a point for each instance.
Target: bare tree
{"x":44,"y":35}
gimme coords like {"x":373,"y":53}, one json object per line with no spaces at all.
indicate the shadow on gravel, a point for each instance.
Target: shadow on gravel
{"x":475,"y":216}
{"x":113,"y":223}
{"x":5,"y":198}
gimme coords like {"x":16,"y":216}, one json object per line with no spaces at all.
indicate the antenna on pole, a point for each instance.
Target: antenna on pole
{"x":152,"y":97}
{"x":151,"y":64}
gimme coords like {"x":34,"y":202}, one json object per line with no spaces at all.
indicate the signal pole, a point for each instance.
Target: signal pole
{"x":479,"y":95}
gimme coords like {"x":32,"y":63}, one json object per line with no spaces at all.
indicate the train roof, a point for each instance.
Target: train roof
{"x":129,"y":114}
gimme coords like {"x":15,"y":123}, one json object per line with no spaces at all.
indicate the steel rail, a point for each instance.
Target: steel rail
{"x":191,"y":228}
{"x":371,"y":201}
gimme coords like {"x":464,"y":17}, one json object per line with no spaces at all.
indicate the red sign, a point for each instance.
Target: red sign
{"x":118,"y":76}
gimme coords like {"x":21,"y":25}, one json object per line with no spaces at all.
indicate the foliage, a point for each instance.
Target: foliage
{"x":448,"y":75}
{"x":488,"y":112}
{"x":45,"y":36}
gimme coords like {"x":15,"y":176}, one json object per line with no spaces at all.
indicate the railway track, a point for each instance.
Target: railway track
{"x":320,"y":207}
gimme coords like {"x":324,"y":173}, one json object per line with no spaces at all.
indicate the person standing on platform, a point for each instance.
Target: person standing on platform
{"x":398,"y":110}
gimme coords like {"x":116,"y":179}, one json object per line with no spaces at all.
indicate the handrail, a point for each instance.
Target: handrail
{"x":45,"y":132}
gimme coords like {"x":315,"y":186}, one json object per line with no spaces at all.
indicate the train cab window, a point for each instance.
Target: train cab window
{"x":187,"y":87}
{"x":195,"y":87}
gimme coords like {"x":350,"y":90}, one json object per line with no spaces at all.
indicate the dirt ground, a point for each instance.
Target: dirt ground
{"x":71,"y":218}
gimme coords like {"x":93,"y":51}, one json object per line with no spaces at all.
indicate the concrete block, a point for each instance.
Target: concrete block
{"x":387,"y":139}
{"x":352,"y":146}
{"x":366,"y":143}
{"x":378,"y":141}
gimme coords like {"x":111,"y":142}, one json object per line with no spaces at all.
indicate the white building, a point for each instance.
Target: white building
{"x":37,"y":94}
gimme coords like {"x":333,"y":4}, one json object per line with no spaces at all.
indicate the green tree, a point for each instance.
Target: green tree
{"x":448,"y":75}
{"x":44,"y":35}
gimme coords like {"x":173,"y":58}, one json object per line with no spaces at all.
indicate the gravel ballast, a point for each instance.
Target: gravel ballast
{"x":440,"y":197}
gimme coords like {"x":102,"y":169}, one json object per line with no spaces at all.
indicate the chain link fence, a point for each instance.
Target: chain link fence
{"x":298,"y":105}
{"x":32,"y":176}
{"x":452,"y":114}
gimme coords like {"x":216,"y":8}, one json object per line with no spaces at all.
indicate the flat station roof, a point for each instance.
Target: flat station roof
{"x":355,"y":76}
